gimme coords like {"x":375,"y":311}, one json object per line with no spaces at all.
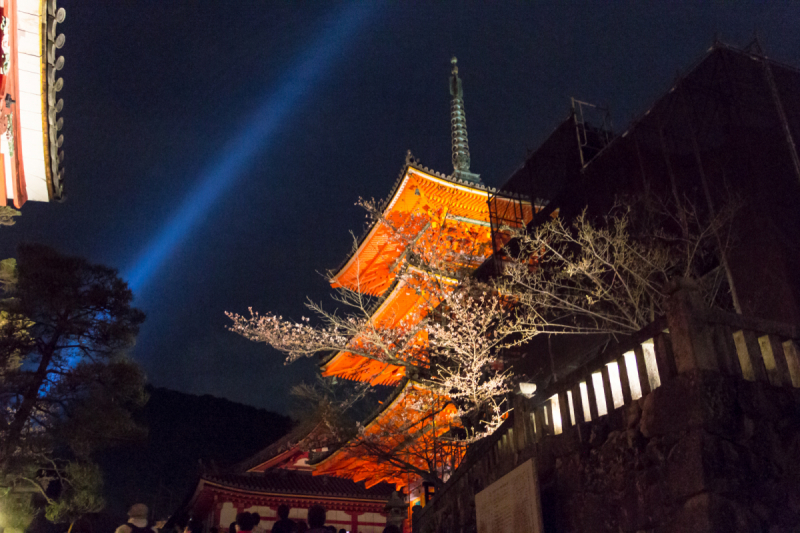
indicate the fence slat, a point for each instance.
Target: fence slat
{"x":774,"y":360}
{"x":641,"y":367}
{"x":665,"y":359}
{"x":566,"y":419}
{"x":754,"y":351}
{"x":538,"y":422}
{"x":592,"y":397}
{"x":548,"y":418}
{"x":528,"y":427}
{"x":577,"y":400}
{"x":793,"y":361}
{"x":727,"y":355}
{"x":747,"y":363}
{"x":609,"y":394}
{"x":627,"y":397}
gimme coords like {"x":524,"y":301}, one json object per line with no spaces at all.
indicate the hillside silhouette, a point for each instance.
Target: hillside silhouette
{"x":186,"y":435}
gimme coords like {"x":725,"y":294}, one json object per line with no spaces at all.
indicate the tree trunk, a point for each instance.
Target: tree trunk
{"x":29,"y":400}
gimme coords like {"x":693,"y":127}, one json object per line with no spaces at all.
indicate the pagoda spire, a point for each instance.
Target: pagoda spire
{"x":458,"y":128}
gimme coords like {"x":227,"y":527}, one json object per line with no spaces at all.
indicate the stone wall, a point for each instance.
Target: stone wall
{"x":709,"y":449}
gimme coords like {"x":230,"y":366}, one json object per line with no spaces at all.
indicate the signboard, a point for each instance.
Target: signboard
{"x":512,"y":503}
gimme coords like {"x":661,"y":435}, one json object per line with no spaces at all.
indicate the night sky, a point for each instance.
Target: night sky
{"x":214,"y":150}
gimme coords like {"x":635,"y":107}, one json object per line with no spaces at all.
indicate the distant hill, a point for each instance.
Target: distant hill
{"x":185,"y":432}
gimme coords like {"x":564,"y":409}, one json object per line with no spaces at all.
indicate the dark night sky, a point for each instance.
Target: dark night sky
{"x":162,"y":94}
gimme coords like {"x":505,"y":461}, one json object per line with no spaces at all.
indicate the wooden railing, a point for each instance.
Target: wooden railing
{"x":689,"y":338}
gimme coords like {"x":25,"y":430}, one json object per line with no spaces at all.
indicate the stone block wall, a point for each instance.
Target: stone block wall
{"x":703,"y":452}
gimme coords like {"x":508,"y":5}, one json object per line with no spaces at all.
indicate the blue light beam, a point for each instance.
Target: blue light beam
{"x":256,"y":135}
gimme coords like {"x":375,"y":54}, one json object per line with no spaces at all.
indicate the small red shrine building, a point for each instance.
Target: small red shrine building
{"x":280,"y":474}
{"x":30,"y":138}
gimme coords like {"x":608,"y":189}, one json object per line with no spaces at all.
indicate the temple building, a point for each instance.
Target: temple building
{"x":280,"y":474}
{"x":30,"y":140}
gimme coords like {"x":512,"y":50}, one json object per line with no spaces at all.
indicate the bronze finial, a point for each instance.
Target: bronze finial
{"x":458,"y":128}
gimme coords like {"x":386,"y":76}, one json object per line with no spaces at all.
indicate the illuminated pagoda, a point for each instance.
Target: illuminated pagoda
{"x":451,"y":218}
{"x":30,"y":139}
{"x":454,"y":218}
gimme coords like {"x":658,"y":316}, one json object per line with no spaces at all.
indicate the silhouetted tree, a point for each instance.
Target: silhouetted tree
{"x":67,"y":387}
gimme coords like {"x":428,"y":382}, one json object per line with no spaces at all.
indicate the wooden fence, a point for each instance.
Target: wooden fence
{"x":689,"y":337}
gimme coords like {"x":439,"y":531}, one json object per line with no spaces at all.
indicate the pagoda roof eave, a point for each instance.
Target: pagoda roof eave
{"x":389,"y":403}
{"x":284,"y":483}
{"x":397,"y":188}
{"x":386,"y":300}
{"x":280,"y":447}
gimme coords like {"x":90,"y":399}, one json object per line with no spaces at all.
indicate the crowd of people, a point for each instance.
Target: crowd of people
{"x":245,"y":523}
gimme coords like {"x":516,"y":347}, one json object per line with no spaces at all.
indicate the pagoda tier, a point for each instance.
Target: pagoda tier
{"x":408,"y":430}
{"x":407,"y":301}
{"x":447,"y":220}
{"x":449,"y":217}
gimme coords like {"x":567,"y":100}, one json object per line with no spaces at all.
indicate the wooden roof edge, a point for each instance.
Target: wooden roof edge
{"x":276,"y":448}
{"x":241,"y":488}
{"x":324,"y":362}
{"x":410,"y":162}
{"x":387,"y":404}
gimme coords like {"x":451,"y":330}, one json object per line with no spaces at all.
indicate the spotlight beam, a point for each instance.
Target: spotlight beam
{"x":256,"y":135}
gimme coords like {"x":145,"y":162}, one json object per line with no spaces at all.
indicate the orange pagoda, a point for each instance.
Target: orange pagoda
{"x":30,"y":138}
{"x":443,"y":217}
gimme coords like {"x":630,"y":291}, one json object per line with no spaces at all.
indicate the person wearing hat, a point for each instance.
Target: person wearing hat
{"x":137,"y":520}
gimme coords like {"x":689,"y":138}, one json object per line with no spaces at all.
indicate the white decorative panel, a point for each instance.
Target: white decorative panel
{"x":32,"y":148}
{"x":31,"y":82}
{"x":29,"y":102}
{"x":30,"y":63}
{"x":29,"y":6}
{"x":31,"y":122}
{"x":28,"y":22}
{"x":295,"y":513}
{"x":227,"y":516}
{"x":28,"y":43}
{"x":36,"y":189}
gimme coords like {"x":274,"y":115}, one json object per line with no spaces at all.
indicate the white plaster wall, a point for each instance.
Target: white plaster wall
{"x":226,"y":515}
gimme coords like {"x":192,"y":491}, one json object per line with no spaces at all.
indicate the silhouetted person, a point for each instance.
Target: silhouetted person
{"x":137,"y":520}
{"x":391,"y":528}
{"x":285,"y":524}
{"x":245,"y":522}
{"x":193,"y":526}
{"x":302,"y":527}
{"x":316,"y":519}
{"x":232,"y":527}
